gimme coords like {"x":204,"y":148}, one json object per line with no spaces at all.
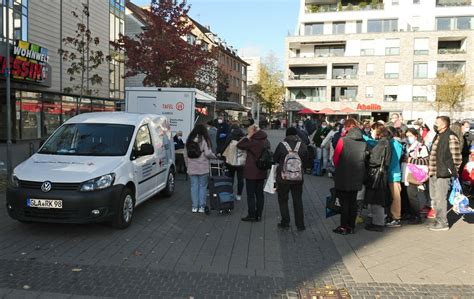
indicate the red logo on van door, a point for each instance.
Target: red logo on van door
{"x":179,"y":106}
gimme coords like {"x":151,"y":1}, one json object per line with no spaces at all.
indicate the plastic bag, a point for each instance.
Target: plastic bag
{"x":270,"y":185}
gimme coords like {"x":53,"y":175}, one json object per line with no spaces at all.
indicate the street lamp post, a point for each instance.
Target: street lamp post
{"x":8,"y":96}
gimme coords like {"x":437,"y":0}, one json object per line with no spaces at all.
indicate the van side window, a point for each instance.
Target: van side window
{"x":143,"y":137}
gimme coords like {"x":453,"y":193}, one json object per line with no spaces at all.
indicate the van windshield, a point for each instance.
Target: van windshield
{"x":89,"y":140}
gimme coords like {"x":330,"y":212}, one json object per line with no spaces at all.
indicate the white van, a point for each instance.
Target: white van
{"x":96,"y":167}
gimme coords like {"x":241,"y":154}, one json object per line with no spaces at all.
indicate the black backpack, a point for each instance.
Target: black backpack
{"x":193,"y":150}
{"x":265,"y":161}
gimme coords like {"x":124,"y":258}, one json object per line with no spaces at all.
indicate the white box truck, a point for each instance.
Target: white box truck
{"x":178,"y":104}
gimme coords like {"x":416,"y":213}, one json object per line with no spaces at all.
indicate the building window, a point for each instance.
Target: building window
{"x":359,"y":27}
{"x":18,"y":14}
{"x":369,"y":92}
{"x":420,"y":94}
{"x":392,"y":47}
{"x":191,"y":38}
{"x":416,"y":1}
{"x":421,"y":46}
{"x":392,"y":70}
{"x":370,"y":69}
{"x":394,"y":2}
{"x":455,"y":23}
{"x":388,"y":25}
{"x":367,"y":47}
{"x":420,"y":70}
{"x":327,"y":51}
{"x":116,"y":65}
{"x":338,"y":27}
{"x":314,"y":29}
{"x":343,"y":93}
{"x":317,"y":94}
{"x":390,"y":93}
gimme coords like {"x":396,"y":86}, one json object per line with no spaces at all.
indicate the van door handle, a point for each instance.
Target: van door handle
{"x":154,"y":163}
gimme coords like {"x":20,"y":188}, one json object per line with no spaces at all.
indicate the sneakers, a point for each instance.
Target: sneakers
{"x":425,"y":210}
{"x":202,"y":210}
{"x":438,"y":227}
{"x":393,"y":223}
{"x":431,"y":214}
{"x":343,"y":230}
{"x":415,"y":220}
{"x":194,"y":210}
{"x":238,"y":197}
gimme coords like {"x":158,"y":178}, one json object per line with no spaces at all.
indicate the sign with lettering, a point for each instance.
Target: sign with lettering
{"x":370,"y":107}
{"x":28,"y":62}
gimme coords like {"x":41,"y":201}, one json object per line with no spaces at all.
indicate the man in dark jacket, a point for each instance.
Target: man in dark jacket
{"x":178,"y":140}
{"x":223,"y":130}
{"x":285,"y":186}
{"x":255,"y":143}
{"x":445,"y":159}
{"x":349,"y":160}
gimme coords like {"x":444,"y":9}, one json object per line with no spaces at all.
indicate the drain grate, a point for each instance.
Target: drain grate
{"x":327,"y":292}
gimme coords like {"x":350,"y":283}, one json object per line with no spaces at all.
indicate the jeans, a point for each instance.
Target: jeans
{"x":439,"y":192}
{"x":283,"y":198}
{"x":348,"y":201}
{"x":199,"y":190}
{"x":255,"y":197}
{"x":325,"y":158}
{"x":240,"y":177}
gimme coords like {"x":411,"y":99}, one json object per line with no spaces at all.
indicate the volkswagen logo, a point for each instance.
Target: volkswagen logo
{"x":46,"y":187}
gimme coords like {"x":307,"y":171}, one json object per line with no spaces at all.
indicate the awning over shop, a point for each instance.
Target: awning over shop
{"x":327,"y":111}
{"x":233,"y":106}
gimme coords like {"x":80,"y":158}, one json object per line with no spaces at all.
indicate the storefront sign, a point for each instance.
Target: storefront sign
{"x":29,"y":62}
{"x":371,"y":107}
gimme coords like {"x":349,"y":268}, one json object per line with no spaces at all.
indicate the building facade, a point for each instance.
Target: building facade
{"x":253,"y":77}
{"x":380,"y":57}
{"x":228,"y":60}
{"x":40,"y":106}
{"x":39,"y":77}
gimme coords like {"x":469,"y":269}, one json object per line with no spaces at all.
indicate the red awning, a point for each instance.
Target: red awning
{"x":306,"y":111}
{"x":347,"y":110}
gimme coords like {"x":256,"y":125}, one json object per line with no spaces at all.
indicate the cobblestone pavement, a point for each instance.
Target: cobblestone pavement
{"x":170,"y":253}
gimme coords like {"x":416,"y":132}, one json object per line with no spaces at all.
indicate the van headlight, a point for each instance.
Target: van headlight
{"x":99,"y":183}
{"x":15,"y":183}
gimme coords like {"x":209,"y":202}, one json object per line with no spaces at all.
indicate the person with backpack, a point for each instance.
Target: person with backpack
{"x":197,"y":154}
{"x":236,"y":134}
{"x":223,"y":131}
{"x":256,"y":166}
{"x":290,"y":154}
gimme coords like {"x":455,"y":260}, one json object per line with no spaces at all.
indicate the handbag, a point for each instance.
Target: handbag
{"x":377,"y":173}
{"x":234,"y":156}
{"x":270,"y":185}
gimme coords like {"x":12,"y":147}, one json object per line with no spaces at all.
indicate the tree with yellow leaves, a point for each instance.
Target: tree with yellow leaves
{"x":451,"y":90}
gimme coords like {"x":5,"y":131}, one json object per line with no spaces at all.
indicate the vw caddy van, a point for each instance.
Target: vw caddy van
{"x":96,"y":167}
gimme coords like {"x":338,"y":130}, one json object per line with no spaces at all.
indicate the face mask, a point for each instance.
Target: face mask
{"x":435,"y":128}
{"x":411,"y":140}
{"x":465,"y":130}
{"x":300,"y":124}
{"x":373,"y":135}
{"x":179,"y":137}
{"x":323,"y":126}
{"x":220,"y":121}
{"x":367,"y":131}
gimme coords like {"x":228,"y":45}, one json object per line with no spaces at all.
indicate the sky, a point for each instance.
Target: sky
{"x":255,"y":27}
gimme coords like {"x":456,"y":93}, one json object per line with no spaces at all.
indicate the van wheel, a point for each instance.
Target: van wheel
{"x":170,"y":184}
{"x":125,"y":209}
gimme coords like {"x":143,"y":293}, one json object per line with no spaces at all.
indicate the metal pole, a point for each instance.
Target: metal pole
{"x":8,"y":96}
{"x":258,"y":114}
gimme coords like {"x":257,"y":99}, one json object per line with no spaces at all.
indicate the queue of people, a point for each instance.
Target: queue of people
{"x":400,"y":174}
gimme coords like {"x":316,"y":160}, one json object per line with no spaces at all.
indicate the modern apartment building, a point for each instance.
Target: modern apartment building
{"x":380,"y":57}
{"x":40,"y":98}
{"x":228,"y":60}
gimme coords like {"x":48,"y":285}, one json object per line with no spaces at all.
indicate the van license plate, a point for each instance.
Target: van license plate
{"x":44,"y":203}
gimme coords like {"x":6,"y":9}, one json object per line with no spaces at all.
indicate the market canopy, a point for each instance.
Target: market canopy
{"x":326,"y":111}
{"x":306,"y":111}
{"x":225,"y":105}
{"x":347,"y":110}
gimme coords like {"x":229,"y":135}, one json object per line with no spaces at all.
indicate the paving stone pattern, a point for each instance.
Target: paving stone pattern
{"x":170,"y":253}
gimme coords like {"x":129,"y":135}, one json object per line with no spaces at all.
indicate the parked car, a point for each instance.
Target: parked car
{"x":96,"y":167}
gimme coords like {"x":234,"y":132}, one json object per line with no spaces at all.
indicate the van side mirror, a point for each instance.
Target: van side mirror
{"x":146,"y":150}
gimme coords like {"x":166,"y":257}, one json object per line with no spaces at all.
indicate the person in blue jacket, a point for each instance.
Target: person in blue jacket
{"x":395,"y":178}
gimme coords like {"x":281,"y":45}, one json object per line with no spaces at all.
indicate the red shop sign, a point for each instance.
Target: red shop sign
{"x":371,"y":107}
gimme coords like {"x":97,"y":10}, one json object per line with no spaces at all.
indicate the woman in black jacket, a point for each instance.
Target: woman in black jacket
{"x":377,"y":191}
{"x":236,"y":133}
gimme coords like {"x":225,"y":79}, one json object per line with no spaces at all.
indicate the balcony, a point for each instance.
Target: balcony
{"x":345,"y":72}
{"x":343,"y":93}
{"x":453,"y":2}
{"x":308,"y":73}
{"x":452,"y":46}
{"x":351,"y":5}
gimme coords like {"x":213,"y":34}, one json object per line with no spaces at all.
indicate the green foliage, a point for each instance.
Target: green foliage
{"x":339,"y":6}
{"x":451,"y":90}
{"x":350,"y":7}
{"x":363,"y":5}
{"x":270,"y":90}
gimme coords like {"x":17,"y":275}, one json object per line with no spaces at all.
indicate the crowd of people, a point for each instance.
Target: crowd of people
{"x":398,"y":173}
